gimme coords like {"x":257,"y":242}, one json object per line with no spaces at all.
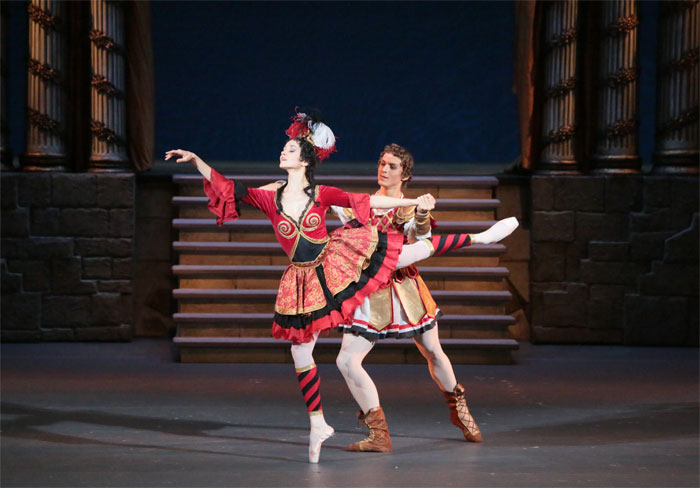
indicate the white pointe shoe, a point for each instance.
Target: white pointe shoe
{"x":316,"y":438}
{"x":497,"y":232}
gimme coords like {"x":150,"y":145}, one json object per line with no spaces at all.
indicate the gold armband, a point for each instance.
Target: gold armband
{"x":422,"y":223}
{"x":403,"y":215}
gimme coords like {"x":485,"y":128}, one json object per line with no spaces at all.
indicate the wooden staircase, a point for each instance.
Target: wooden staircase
{"x":228,"y":278}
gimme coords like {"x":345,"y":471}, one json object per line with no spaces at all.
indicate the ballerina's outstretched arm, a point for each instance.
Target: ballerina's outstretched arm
{"x":426,"y":202}
{"x":190,"y":157}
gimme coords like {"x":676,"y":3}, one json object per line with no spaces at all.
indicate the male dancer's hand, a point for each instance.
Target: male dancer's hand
{"x":425,"y":203}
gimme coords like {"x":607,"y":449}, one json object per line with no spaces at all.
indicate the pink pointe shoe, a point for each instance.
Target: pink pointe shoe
{"x":316,"y":438}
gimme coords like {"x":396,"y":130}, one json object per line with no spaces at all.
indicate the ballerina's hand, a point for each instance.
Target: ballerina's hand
{"x":182,"y":155}
{"x":425,"y":203}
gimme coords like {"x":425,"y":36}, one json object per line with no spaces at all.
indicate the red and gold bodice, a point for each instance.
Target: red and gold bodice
{"x":302,"y":240}
{"x":384,"y":222}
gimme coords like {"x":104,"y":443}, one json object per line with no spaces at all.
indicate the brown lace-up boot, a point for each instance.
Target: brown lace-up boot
{"x":460,"y":416}
{"x":378,"y":439}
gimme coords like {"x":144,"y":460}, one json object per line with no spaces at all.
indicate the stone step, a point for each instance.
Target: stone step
{"x":212,"y":325}
{"x":256,"y":305}
{"x":265,"y":319}
{"x":275,"y":271}
{"x":441,"y":203}
{"x":263,"y":225}
{"x":236,"y":324}
{"x":448,"y":187}
{"x":269,"y":350}
{"x":466,"y":182}
{"x":199,"y":247}
{"x":247,"y":212}
{"x":250,"y":249}
{"x":268,"y":295}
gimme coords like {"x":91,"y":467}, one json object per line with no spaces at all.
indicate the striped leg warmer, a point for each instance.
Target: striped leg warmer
{"x":310,"y":383}
{"x":446,"y":243}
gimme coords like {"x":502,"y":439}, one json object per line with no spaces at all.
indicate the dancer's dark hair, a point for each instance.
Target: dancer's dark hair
{"x":307,"y":152}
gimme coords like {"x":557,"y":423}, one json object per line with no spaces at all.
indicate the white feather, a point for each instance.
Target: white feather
{"x":322,"y":135}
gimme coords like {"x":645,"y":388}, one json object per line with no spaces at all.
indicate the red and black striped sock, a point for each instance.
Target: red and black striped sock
{"x":310,"y":383}
{"x":446,"y":243}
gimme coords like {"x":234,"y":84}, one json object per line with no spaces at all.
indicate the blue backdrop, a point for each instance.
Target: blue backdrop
{"x":435,"y":77}
{"x":432,"y":76}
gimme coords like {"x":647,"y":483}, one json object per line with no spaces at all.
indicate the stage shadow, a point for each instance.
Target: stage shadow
{"x":643,"y":423}
{"x":26,"y":423}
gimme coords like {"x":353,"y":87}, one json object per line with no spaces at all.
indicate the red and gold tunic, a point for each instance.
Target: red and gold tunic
{"x":330,"y":274}
{"x":406,"y":308}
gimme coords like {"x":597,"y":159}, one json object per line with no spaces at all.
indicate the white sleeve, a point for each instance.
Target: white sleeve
{"x":409,"y":229}
{"x":340,"y":213}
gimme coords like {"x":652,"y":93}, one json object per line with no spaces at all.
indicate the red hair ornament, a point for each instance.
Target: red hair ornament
{"x":317,"y":133}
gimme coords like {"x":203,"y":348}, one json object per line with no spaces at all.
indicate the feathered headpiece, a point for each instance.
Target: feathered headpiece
{"x":316,"y":132}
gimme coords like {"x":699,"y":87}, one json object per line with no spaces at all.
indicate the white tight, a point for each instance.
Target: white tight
{"x":354,"y":349}
{"x":428,"y":344}
{"x":412,"y":253}
{"x":302,"y":353}
{"x":349,"y":361}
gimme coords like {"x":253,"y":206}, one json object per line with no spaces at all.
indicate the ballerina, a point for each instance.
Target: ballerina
{"x":329,"y":275}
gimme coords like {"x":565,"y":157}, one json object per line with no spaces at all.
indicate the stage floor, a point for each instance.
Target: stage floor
{"x":128,"y":415}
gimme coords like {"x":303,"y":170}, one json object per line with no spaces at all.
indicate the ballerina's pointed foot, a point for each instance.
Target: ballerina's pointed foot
{"x":316,"y":438}
{"x":498,"y":231}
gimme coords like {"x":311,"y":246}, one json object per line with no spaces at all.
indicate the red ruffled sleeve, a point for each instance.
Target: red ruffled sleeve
{"x":359,"y":202}
{"x":223,"y":196}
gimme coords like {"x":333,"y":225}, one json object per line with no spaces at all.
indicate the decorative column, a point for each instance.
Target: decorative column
{"x":560,"y":79}
{"x":677,"y":88}
{"x":46,"y":98}
{"x":5,"y":151}
{"x":616,"y":138}
{"x":108,"y":110}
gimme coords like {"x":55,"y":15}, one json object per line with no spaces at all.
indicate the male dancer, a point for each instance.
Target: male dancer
{"x":404,"y":309}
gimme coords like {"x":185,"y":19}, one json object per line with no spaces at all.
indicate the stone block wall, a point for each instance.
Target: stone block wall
{"x":66,"y":256}
{"x":153,"y":277}
{"x":513,"y":191}
{"x":614,"y":259}
{"x":597,"y":259}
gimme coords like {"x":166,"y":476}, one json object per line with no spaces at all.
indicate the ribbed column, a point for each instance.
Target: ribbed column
{"x":560,"y":79}
{"x":108,"y":110}
{"x":46,"y":98}
{"x":616,"y":137}
{"x":677,"y":88}
{"x":5,"y":150}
